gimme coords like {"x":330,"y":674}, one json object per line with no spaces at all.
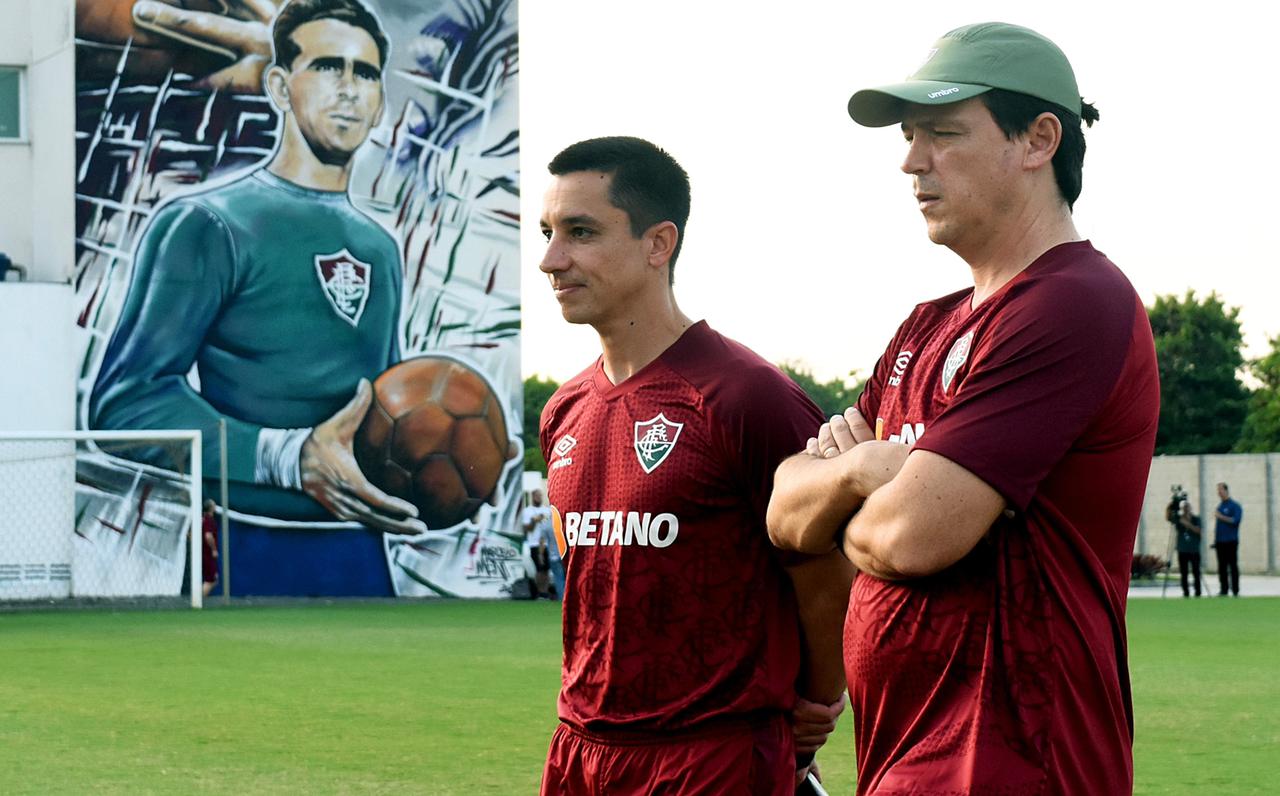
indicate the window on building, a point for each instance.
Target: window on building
{"x":10,"y":103}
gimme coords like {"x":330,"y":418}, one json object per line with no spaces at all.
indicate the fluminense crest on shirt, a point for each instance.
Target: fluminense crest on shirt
{"x":346,"y":283}
{"x":955,"y":359}
{"x":655,"y":439}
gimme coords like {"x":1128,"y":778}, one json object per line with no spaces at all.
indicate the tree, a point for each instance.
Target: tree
{"x":833,"y":396}
{"x":1261,"y":433}
{"x":1202,"y":401}
{"x":537,"y":391}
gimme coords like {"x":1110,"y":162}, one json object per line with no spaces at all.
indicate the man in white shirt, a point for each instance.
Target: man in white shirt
{"x":541,"y":544}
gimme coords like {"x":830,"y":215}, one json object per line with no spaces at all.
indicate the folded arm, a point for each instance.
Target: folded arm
{"x":923,"y":520}
{"x":814,"y":498}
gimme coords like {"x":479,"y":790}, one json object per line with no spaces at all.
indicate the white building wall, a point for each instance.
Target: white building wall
{"x":37,"y":207}
{"x":37,"y":362}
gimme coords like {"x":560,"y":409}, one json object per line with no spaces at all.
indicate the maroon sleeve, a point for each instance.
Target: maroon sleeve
{"x":873,"y":389}
{"x":772,"y":419}
{"x":1041,"y":368}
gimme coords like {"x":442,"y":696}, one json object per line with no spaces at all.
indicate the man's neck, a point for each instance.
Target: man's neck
{"x":295,"y":162}
{"x":1008,"y":252}
{"x":630,"y":343}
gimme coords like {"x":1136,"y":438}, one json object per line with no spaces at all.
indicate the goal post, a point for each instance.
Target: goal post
{"x":100,"y":514}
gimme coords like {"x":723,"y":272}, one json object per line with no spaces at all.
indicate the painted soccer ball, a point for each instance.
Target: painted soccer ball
{"x":436,"y":436}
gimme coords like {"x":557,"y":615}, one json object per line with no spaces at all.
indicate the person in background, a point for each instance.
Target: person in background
{"x":209,"y":546}
{"x":1226,"y":541}
{"x":536,"y":521}
{"x":1189,"y":536}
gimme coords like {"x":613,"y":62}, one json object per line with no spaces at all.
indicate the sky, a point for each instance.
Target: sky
{"x":804,"y":241}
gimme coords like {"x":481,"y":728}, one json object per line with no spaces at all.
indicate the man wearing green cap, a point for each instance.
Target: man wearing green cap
{"x":991,"y":502}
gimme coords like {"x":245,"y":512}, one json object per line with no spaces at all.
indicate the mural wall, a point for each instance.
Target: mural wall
{"x":278,"y":204}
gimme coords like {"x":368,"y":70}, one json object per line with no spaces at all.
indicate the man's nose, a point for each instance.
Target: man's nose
{"x":347,"y":81}
{"x":917,"y":159}
{"x":555,"y":258}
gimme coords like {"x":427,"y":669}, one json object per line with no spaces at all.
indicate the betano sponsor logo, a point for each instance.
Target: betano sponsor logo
{"x":613,"y":528}
{"x":908,"y":436}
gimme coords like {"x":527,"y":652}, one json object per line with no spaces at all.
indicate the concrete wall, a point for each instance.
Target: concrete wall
{"x":1254,"y":479}
{"x":37,"y":361}
{"x":37,"y":207}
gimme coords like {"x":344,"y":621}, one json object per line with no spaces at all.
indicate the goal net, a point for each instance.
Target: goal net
{"x":99,"y":514}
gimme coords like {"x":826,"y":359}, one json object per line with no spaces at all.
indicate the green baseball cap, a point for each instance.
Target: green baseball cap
{"x":972,"y":60}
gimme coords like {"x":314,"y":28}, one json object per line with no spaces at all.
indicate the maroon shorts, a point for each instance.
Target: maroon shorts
{"x":208,"y":565}
{"x":751,"y":759}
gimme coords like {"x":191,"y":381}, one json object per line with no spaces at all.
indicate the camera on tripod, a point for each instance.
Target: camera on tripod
{"x":1177,"y":496}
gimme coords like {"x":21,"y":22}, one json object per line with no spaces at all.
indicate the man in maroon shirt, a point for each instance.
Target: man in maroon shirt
{"x":997,"y":497}
{"x":685,"y":641}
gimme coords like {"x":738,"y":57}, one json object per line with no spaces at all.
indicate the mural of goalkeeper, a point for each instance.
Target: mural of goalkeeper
{"x":283,"y":295}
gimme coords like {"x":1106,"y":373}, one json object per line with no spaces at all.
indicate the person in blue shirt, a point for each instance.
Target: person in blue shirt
{"x":1226,"y":541}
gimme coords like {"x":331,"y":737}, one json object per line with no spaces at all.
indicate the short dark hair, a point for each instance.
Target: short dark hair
{"x":1014,"y":113}
{"x":297,"y":13}
{"x":1223,"y":484}
{"x":648,"y":184}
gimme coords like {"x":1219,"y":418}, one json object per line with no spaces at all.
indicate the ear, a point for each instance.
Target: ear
{"x":276,"y":82}
{"x":662,"y":239}
{"x":1042,"y":137}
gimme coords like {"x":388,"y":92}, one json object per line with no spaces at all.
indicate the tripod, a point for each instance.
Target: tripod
{"x":1168,"y":558}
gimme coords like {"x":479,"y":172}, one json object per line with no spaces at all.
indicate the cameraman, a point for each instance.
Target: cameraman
{"x":1187,"y":526}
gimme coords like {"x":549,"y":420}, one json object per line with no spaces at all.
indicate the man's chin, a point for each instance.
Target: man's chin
{"x":337,"y":154}
{"x":575,"y":315}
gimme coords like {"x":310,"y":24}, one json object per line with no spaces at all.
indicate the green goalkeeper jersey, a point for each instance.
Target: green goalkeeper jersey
{"x":283,"y":297}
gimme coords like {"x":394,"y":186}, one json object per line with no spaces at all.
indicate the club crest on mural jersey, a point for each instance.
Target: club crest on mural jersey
{"x":655,"y":439}
{"x":955,"y":359}
{"x":346,"y":283}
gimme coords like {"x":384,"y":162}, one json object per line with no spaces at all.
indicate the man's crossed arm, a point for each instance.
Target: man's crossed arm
{"x":894,"y":512}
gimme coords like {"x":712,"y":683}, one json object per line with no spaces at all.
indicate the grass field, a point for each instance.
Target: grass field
{"x":459,"y":698}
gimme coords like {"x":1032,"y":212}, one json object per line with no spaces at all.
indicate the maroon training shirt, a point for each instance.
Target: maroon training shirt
{"x":1007,"y":672}
{"x":675,"y":611}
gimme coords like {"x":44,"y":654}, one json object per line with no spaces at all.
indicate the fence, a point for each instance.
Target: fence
{"x":1254,"y":480}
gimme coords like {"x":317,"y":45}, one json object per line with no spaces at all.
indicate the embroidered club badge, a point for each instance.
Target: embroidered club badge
{"x":655,"y":440}
{"x":955,"y":359}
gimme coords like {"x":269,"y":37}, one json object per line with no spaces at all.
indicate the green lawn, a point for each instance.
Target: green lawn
{"x":459,"y":698}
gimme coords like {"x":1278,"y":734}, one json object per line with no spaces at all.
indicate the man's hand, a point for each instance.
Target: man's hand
{"x":839,"y":435}
{"x":331,"y":476}
{"x":814,"y":722}
{"x":242,"y":33}
{"x":815,"y":492}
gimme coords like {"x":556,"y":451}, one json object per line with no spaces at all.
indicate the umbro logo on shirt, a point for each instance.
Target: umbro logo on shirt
{"x":562,"y":447}
{"x":900,"y":367}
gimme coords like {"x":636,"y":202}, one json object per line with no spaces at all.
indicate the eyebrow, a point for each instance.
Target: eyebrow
{"x":328,"y":62}
{"x":359,"y":68}
{"x":932,"y":121}
{"x":574,"y":221}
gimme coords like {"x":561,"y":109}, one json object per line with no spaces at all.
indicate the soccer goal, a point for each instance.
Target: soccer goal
{"x":99,"y":515}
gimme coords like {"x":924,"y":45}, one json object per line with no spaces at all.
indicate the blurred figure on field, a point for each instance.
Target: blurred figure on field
{"x":209,"y":546}
{"x":1226,"y":541}
{"x":1189,"y":534}
{"x":536,"y":521}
